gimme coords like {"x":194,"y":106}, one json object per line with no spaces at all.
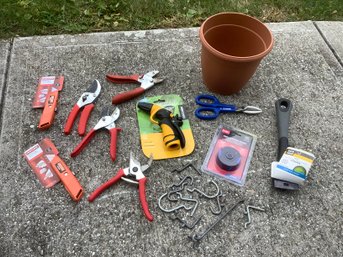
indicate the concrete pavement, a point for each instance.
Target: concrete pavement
{"x":4,"y":59}
{"x":304,"y":66}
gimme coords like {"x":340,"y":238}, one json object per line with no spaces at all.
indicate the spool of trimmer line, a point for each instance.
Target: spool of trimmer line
{"x":228,"y":158}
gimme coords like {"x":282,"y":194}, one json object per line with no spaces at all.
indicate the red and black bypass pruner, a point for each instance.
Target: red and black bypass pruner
{"x":146,"y":81}
{"x":135,"y":170}
{"x":86,"y":101}
{"x":107,"y":121}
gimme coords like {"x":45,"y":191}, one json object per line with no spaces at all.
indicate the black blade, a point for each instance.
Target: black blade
{"x":93,"y":87}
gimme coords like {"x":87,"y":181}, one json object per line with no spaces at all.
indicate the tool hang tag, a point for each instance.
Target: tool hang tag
{"x":45,"y":86}
{"x":39,"y":158}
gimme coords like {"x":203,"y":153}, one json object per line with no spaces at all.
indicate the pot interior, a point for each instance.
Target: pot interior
{"x":235,"y":40}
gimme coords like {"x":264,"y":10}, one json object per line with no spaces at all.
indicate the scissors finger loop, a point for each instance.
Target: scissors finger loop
{"x":206,"y":100}
{"x":207,"y":113}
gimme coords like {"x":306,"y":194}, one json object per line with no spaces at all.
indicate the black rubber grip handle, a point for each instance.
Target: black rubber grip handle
{"x":283,"y":112}
{"x":283,"y":144}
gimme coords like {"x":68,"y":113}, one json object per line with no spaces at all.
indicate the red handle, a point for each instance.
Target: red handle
{"x":48,"y":114}
{"x":71,"y":119}
{"x":113,"y":144}
{"x":123,"y":97}
{"x":142,"y":198}
{"x":70,"y":182}
{"x":106,"y":185}
{"x":83,"y":143}
{"x":84,"y":118}
{"x":119,"y":79}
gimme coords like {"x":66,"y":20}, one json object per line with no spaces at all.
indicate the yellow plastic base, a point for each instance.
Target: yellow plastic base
{"x":153,"y":144}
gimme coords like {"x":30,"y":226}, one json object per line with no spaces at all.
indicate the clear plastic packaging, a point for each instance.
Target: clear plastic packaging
{"x":230,"y":154}
{"x":39,"y":158}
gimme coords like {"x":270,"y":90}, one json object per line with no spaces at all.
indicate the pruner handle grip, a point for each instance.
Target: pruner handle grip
{"x":122,"y":79}
{"x":128,"y":95}
{"x":113,"y":145}
{"x":106,"y":185}
{"x":142,"y":198}
{"x":78,"y":149}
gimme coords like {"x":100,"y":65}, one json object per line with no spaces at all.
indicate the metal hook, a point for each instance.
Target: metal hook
{"x":203,"y":193}
{"x":173,"y":192}
{"x":219,"y":205}
{"x":247,"y":212}
{"x":182,"y":182}
{"x":189,"y":200}
{"x":173,"y":209}
{"x":198,"y":237}
{"x":185,"y":167}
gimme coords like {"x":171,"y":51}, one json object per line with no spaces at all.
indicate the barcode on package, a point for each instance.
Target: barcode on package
{"x":33,"y":152}
{"x":47,"y":80}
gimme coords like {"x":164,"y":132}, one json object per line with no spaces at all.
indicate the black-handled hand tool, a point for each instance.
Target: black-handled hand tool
{"x":283,"y":112}
{"x":283,"y":108}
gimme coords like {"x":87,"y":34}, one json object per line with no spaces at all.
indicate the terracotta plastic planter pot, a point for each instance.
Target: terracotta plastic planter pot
{"x":233,"y":44}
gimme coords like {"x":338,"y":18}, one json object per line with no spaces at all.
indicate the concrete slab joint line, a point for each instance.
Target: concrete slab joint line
{"x":5,"y":81}
{"x":328,"y":44}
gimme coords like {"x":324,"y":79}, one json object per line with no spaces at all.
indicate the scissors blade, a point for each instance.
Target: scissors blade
{"x":249,"y":110}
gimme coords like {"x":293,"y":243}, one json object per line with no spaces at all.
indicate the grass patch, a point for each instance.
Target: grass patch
{"x":42,"y":17}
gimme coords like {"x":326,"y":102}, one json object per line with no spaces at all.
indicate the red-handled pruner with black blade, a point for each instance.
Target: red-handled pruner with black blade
{"x":86,"y":103}
{"x":146,"y":81}
{"x":134,"y":171}
{"x":107,"y":121}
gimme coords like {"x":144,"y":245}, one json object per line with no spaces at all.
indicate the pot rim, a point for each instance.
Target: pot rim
{"x":233,"y":57}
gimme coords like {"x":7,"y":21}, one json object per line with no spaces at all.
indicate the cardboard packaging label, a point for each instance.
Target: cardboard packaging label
{"x":294,"y":166}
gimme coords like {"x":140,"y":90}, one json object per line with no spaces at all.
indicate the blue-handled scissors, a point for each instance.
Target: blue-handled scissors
{"x":211,"y":107}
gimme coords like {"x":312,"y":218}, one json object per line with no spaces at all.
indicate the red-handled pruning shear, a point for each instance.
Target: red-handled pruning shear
{"x":135,"y":170}
{"x":146,"y":81}
{"x":86,"y":103}
{"x":107,"y":121}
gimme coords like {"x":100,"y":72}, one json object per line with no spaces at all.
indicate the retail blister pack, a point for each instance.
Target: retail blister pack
{"x":229,"y":154}
{"x":152,"y":138}
{"x":39,"y":158}
{"x":50,"y":168}
{"x":45,"y":86}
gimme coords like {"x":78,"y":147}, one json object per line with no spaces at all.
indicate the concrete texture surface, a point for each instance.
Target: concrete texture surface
{"x":46,"y":222}
{"x":4,"y":54}
{"x":332,"y":31}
